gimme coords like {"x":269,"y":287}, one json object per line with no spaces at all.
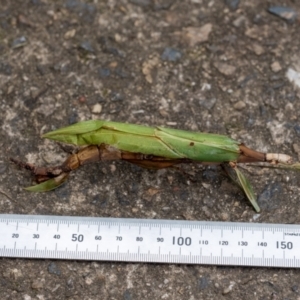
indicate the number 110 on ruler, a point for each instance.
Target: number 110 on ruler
{"x":142,"y":240}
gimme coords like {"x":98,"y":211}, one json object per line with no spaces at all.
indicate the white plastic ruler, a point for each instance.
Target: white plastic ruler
{"x":142,"y":240}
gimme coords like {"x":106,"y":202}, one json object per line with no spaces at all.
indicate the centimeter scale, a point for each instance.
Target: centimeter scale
{"x":142,"y":240}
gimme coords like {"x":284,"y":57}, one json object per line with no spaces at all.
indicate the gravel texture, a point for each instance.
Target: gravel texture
{"x":215,"y":66}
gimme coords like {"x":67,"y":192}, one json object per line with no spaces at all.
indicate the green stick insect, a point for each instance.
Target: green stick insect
{"x":150,"y":147}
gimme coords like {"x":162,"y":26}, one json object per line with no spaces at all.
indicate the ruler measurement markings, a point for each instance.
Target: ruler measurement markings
{"x":192,"y":252}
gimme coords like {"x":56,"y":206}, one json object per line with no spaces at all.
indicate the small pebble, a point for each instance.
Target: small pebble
{"x":86,"y":11}
{"x":276,"y":67}
{"x":258,"y":49}
{"x":203,"y":282}
{"x":19,"y":42}
{"x":206,"y":211}
{"x":207,"y":186}
{"x":239,"y":105}
{"x":81,"y":99}
{"x":113,"y":168}
{"x":208,"y":103}
{"x":142,"y":3}
{"x":121,"y":73}
{"x":296,"y":128}
{"x":86,"y":46}
{"x":5,"y":68}
{"x":239,"y":21}
{"x":232,"y":4}
{"x":171,"y":54}
{"x":196,"y":35}
{"x":225,"y":68}
{"x":165,"y":208}
{"x":88,"y":280}
{"x":97,"y":108}
{"x":147,"y":68}
{"x":206,"y":87}
{"x":116,"y":96}
{"x":139,"y":111}
{"x":53,"y":269}
{"x":127,"y":295}
{"x":229,"y":288}
{"x":286,"y":13}
{"x":224,"y":216}
{"x":37,"y":284}
{"x":293,"y":76}
{"x":69,"y":34}
{"x":3,"y":167}
{"x":162,"y":5}
{"x":104,"y":72}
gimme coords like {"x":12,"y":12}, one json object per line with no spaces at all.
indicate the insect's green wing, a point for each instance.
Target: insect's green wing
{"x":200,"y":146}
{"x":122,"y":136}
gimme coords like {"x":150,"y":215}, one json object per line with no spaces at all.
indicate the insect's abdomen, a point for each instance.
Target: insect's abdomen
{"x":200,"y":146}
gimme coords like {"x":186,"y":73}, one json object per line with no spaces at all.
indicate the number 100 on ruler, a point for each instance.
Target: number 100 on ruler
{"x":142,"y":240}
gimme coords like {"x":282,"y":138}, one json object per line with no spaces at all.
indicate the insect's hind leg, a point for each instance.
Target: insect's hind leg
{"x":150,"y":161}
{"x":240,"y":179}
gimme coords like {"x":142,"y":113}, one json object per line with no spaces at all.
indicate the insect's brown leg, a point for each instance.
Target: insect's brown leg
{"x":41,"y":173}
{"x":83,"y":156}
{"x":149,"y":161}
{"x":156,"y":162}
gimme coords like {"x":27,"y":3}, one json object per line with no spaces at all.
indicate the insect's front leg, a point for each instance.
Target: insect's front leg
{"x":52,"y":177}
{"x":41,"y":173}
{"x":91,"y":154}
